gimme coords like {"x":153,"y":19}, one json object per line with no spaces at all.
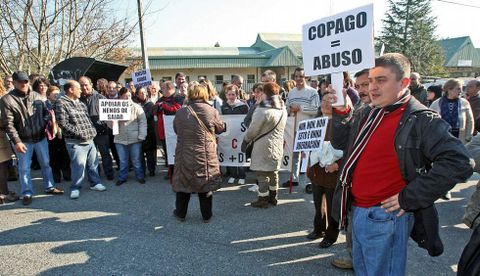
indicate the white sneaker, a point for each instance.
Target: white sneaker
{"x":241,"y":181}
{"x":231,"y":180}
{"x":99,"y":187}
{"x":74,"y":194}
{"x":253,"y":188}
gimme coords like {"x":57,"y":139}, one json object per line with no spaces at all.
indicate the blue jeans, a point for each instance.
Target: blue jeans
{"x":24,"y":162}
{"x":83,"y":157}
{"x":380,"y":241}
{"x":133,"y":151}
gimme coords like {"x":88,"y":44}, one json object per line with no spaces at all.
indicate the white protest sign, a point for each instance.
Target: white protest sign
{"x":113,"y":109}
{"x":142,"y":78}
{"x":229,"y":143}
{"x":170,"y":138}
{"x":288,"y":138}
{"x":342,"y":42}
{"x":337,"y":85}
{"x":310,"y":134}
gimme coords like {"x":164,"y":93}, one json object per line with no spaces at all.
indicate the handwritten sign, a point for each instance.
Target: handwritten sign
{"x":113,"y":109}
{"x":142,"y":78}
{"x":310,"y":134}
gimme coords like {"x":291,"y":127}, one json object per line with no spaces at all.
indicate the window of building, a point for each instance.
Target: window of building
{"x":218,"y":79}
{"x":167,"y":78}
{"x":251,"y":78}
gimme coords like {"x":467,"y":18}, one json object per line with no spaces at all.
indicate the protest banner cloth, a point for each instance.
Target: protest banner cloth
{"x":142,"y":78}
{"x":114,"y":110}
{"x":342,"y":42}
{"x":229,"y":142}
{"x":310,"y":134}
{"x":170,"y":138}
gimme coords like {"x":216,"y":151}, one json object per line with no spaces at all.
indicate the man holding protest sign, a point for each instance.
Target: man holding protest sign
{"x":407,"y":150}
{"x":302,"y":103}
{"x":78,"y":130}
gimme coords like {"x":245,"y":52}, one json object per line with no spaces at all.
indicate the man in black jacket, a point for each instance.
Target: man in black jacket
{"x":399,"y":159}
{"x":91,"y":99}
{"x":25,"y":116}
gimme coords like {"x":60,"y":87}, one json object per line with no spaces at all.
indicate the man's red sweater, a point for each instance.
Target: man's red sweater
{"x":377,"y":174}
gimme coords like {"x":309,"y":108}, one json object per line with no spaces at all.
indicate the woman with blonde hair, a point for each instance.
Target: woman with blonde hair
{"x":197,"y":169}
{"x":455,"y":110}
{"x":213,"y":98}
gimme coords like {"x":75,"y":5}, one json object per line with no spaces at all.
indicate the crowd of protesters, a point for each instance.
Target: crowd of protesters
{"x":408,"y":139}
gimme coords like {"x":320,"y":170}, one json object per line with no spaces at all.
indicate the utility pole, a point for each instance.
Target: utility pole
{"x":142,"y":37}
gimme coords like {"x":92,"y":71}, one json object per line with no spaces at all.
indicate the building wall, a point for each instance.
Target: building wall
{"x":214,"y":75}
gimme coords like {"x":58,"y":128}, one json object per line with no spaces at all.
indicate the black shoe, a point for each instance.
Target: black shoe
{"x":141,"y":181}
{"x":207,"y":220}
{"x":286,"y":184}
{"x":315,"y":235}
{"x":177,"y":216}
{"x":151,"y":174}
{"x":110,"y":177}
{"x":309,"y":189}
{"x":27,"y":200}
{"x":326,"y":243}
{"x":120,"y":182}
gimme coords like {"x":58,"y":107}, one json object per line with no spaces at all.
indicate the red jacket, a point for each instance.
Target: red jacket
{"x":167,"y":106}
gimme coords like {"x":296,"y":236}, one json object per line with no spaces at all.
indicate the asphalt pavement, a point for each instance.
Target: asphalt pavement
{"x":130,"y":230}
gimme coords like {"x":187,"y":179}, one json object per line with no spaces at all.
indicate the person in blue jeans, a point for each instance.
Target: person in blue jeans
{"x":129,"y":139}
{"x":400,"y":158}
{"x":24,"y":117}
{"x":78,"y":132}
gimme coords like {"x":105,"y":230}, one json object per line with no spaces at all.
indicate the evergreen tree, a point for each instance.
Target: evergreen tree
{"x":409,"y":28}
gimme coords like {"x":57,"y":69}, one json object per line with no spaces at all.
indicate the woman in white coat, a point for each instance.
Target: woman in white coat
{"x":455,"y":110}
{"x":269,"y":118}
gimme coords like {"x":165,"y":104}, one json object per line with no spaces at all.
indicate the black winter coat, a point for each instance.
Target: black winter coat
{"x":24,"y":116}
{"x":431,"y":162}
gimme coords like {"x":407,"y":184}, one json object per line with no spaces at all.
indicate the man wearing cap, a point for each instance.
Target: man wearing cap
{"x":25,"y":116}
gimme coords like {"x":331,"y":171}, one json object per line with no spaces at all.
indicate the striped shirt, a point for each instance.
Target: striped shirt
{"x":308,"y":100}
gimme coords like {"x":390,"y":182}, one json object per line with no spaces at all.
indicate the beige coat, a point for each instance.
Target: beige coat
{"x":197,"y":168}
{"x":267,"y":151}
{"x":134,"y":130}
{"x":465,"y":119}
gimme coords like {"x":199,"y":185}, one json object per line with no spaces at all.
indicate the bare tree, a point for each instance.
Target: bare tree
{"x":37,"y":34}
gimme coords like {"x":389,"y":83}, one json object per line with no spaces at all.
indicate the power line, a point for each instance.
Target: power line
{"x":460,"y":4}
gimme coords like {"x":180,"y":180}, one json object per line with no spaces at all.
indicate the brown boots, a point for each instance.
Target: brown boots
{"x":272,"y":197}
{"x":264,"y":201}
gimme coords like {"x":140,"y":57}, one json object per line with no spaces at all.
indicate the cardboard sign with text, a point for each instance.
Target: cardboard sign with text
{"x":310,"y":134}
{"x":342,"y":42}
{"x":142,"y":78}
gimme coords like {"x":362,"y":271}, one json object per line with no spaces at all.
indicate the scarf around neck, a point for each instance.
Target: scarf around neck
{"x":373,"y":120}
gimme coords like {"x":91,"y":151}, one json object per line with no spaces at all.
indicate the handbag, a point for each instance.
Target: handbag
{"x":247,"y":148}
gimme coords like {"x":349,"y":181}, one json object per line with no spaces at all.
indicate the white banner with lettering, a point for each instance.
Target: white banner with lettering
{"x":229,"y":142}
